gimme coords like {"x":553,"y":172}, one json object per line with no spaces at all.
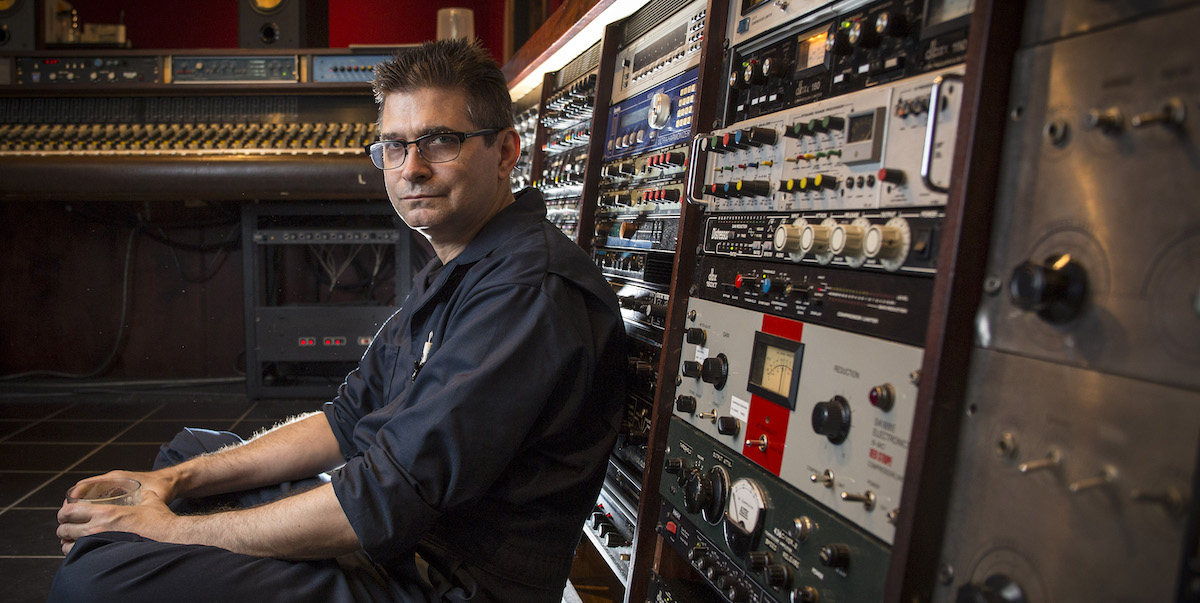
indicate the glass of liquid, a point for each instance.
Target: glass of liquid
{"x":108,"y":491}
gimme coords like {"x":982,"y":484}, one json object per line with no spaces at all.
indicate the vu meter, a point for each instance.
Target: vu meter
{"x":775,"y":369}
{"x":744,"y":519}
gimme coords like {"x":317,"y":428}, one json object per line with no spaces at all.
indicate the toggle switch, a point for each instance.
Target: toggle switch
{"x":1106,"y":477}
{"x":825,"y":479}
{"x":1052,"y":460}
{"x":760,"y":443}
{"x":866,"y":498}
{"x":1173,"y":114}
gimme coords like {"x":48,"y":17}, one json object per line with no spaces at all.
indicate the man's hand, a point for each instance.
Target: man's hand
{"x":151,"y":518}
{"x":162,"y":482}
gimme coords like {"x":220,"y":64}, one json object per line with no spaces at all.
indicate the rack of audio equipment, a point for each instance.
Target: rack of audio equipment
{"x":783,"y":61}
{"x":618,"y":196}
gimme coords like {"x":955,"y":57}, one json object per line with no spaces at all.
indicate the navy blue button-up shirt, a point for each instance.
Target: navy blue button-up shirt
{"x":481,"y":418}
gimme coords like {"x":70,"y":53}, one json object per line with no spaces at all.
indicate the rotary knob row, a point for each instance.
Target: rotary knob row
{"x":867,"y":34}
{"x":858,"y":239}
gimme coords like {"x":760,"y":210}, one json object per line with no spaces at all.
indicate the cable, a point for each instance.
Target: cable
{"x":112,"y":356}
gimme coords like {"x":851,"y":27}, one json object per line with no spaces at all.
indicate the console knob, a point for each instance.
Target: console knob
{"x":692,"y":369}
{"x":815,"y":238}
{"x":997,"y":588}
{"x":753,"y":72}
{"x":756,"y":137}
{"x":836,"y":556}
{"x":891,"y":24}
{"x":787,"y":238}
{"x":697,"y":493}
{"x":735,"y":593}
{"x":728,"y":425}
{"x":674,"y":466}
{"x":715,"y":371}
{"x":891,"y":176}
{"x":863,"y":35}
{"x":1056,"y":289}
{"x":695,"y":335}
{"x":686,"y":404}
{"x":806,"y":594}
{"x":838,"y":42}
{"x":846,"y":239}
{"x":613,"y":539}
{"x":882,"y":241}
{"x":777,"y":576}
{"x":754,"y":188}
{"x":758,"y":560}
{"x":832,"y":419}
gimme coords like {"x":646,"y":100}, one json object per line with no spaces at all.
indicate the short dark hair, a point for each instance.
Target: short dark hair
{"x":455,"y":65}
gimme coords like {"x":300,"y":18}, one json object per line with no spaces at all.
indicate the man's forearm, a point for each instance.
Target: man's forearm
{"x":296,"y":450}
{"x":309,"y":525}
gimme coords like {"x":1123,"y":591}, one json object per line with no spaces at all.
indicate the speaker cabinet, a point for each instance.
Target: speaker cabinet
{"x":282,"y":23}
{"x":18,"y":25}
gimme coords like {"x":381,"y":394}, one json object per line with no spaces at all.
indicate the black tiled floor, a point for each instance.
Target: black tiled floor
{"x":50,"y":441}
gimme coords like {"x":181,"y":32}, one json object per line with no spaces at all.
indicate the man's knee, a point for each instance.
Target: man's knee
{"x":193,"y":442}
{"x":84,"y":574}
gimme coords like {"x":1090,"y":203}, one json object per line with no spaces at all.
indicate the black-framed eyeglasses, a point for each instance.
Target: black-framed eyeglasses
{"x":438,"y":147}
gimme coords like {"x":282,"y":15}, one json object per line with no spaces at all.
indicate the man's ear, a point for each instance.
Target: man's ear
{"x":510,"y":150}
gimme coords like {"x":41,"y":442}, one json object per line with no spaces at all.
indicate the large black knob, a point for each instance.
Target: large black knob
{"x":758,"y":560}
{"x":1056,"y":289}
{"x":715,"y":371}
{"x":697,"y":493}
{"x":997,"y":588}
{"x":728,"y":425}
{"x":832,"y":419}
{"x":836,"y":556}
{"x":686,"y":404}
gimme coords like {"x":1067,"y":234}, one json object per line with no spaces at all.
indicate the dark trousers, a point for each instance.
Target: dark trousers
{"x":118,"y":566}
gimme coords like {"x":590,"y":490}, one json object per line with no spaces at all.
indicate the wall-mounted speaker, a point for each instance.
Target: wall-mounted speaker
{"x":282,"y":23}
{"x":18,"y":25}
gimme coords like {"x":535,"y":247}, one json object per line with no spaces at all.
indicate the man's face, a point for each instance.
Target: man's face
{"x":447,"y":202}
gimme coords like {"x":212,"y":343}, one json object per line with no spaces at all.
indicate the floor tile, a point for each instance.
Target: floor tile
{"x":30,"y":409}
{"x":216,"y":408}
{"x":29,"y":532}
{"x":131,"y":457}
{"x":28,"y":580}
{"x":100,"y":409}
{"x":70,"y":431}
{"x":39,"y":456}
{"x":14,"y":486}
{"x":8,"y":427}
{"x":51,"y":494}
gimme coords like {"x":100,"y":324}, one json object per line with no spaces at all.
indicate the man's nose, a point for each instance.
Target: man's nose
{"x":414,"y":168}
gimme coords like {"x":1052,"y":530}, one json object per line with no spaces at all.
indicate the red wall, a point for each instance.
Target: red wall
{"x":150,"y":25}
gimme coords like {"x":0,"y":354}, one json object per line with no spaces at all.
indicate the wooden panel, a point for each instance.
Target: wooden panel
{"x":563,"y":24}
{"x":62,"y":301}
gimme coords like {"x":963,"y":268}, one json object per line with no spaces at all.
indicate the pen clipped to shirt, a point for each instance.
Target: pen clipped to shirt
{"x":419,"y":364}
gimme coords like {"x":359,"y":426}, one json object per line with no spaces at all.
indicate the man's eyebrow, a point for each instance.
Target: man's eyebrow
{"x":429,"y":130}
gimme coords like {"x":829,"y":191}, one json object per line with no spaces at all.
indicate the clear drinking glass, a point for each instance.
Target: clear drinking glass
{"x":110,"y":491}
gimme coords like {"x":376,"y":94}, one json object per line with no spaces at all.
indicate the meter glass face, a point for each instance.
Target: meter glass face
{"x":746,"y":506}
{"x":775,"y":369}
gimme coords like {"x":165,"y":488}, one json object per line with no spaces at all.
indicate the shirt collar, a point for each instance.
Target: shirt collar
{"x":528,"y":209}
